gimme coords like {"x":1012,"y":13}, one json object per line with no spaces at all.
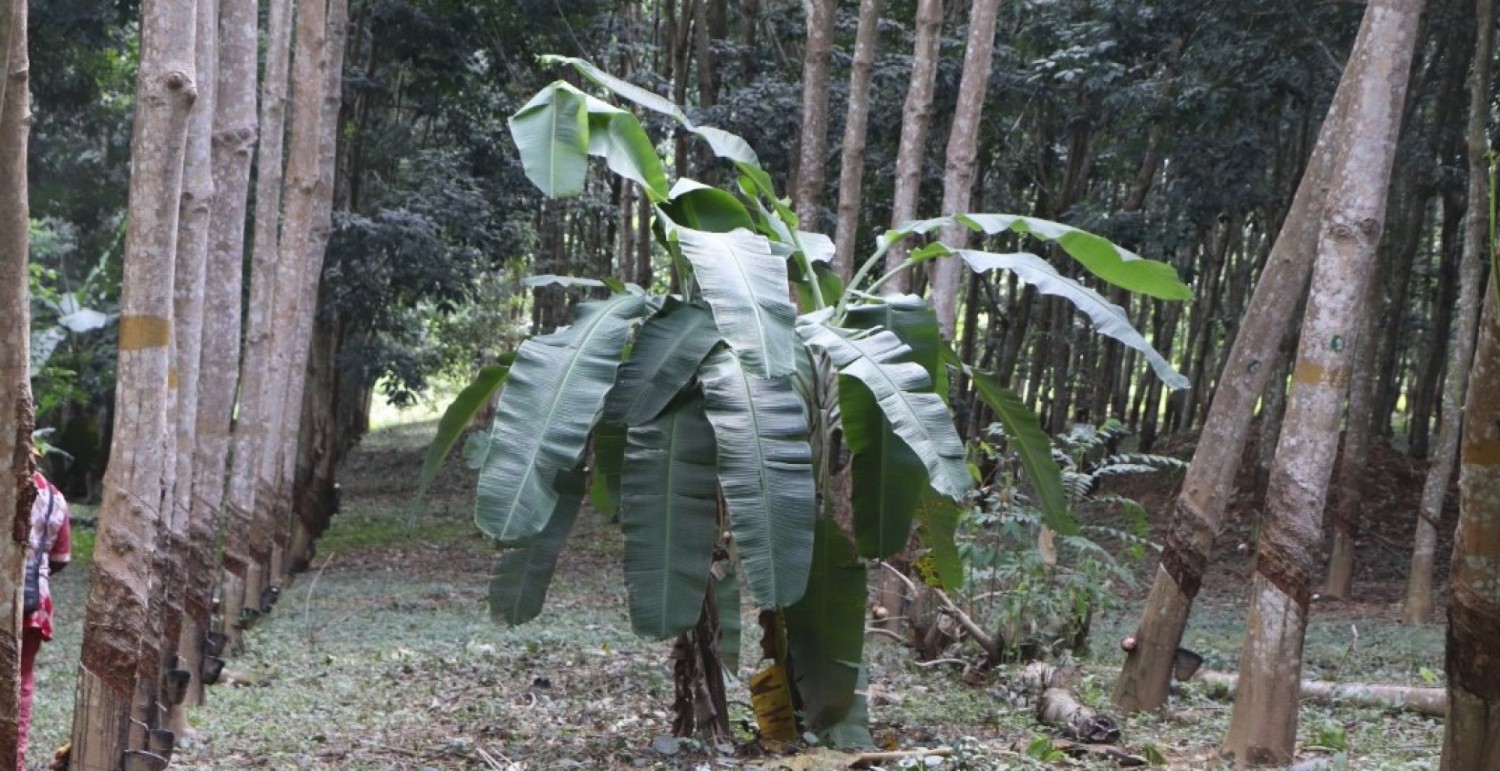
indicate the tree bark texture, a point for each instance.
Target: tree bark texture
{"x":1471,"y":737}
{"x":807,"y":192}
{"x":963,"y":149}
{"x":1198,"y":512}
{"x":16,"y":419}
{"x":1263,"y":725}
{"x":852,"y":155}
{"x":1418,"y":606}
{"x":116,"y":613}
{"x":324,"y":90}
{"x":916,"y":118}
{"x":234,"y":131}
{"x":195,"y":218}
{"x":253,"y":415}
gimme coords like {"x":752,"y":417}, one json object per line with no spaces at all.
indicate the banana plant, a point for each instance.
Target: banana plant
{"x":809,"y":435}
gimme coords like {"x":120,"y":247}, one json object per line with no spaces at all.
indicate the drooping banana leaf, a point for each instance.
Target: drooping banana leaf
{"x":1034,"y":448}
{"x":918,"y":416}
{"x":666,"y":355}
{"x":826,"y":630}
{"x":765,"y":470}
{"x":853,"y":732}
{"x":1097,"y":254}
{"x":669,"y":512}
{"x":552,"y":133}
{"x":555,"y":392}
{"x":1109,"y":319}
{"x":910,"y":318}
{"x":518,"y":586}
{"x":616,"y":136}
{"x":888,"y":477}
{"x":609,"y":456}
{"x":706,"y":208}
{"x":745,"y":285}
{"x":458,"y":416}
{"x":938,"y":517}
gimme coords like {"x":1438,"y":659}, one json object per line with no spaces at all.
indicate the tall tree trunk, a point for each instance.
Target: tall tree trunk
{"x":1199,"y":509}
{"x":916,"y":118}
{"x":1418,"y":606}
{"x":1471,"y":736}
{"x":852,"y":155}
{"x":116,"y":614}
{"x":1263,"y":725}
{"x":187,"y":338}
{"x":807,"y":191}
{"x":1347,"y":497}
{"x":963,"y":147}
{"x":16,"y":420}
{"x":241,"y":550}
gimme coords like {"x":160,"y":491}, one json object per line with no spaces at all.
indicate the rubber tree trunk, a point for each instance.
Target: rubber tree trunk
{"x":115,"y":616}
{"x":16,"y":422}
{"x":807,"y":190}
{"x":325,"y":87}
{"x":916,"y":118}
{"x":249,"y":436}
{"x":852,"y":154}
{"x":234,"y":133}
{"x":1198,"y":512}
{"x":195,"y":219}
{"x":963,"y":149}
{"x":1418,"y":605}
{"x":1263,"y":725}
{"x":1471,"y":737}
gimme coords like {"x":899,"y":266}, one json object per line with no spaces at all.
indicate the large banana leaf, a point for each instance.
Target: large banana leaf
{"x":666,"y":354}
{"x":616,"y":136}
{"x":731,"y":625}
{"x":669,"y":512}
{"x":765,"y":470}
{"x":1034,"y":448}
{"x":457,"y":418}
{"x":918,"y":416}
{"x":853,"y":732}
{"x":887,"y":476}
{"x":910,"y":318}
{"x":552,"y":133}
{"x":706,"y":208}
{"x":518,"y":587}
{"x":1109,"y":319}
{"x":745,"y":285}
{"x":938,"y":517}
{"x":554,"y":395}
{"x":1099,"y":255}
{"x":825,"y":630}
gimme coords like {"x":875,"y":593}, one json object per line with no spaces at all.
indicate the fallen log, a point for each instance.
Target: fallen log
{"x":1422,"y":700}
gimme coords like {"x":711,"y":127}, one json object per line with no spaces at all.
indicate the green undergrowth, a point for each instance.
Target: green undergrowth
{"x":383,"y":656}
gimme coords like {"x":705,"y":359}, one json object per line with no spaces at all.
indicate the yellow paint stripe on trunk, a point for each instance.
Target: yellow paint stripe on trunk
{"x":141,"y":332}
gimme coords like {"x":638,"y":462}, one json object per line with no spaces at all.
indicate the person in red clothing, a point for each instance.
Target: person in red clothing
{"x":48,"y":552}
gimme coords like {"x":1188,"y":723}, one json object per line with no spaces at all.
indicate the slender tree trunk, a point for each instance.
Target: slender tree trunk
{"x":1347,"y":496}
{"x":187,"y":339}
{"x":852,"y":156}
{"x":16,"y":421}
{"x":242,"y":550}
{"x":115,"y":617}
{"x":1199,"y":509}
{"x":1471,"y":736}
{"x":1418,"y":606}
{"x":1263,"y":725}
{"x":817,"y":57}
{"x":916,"y":118}
{"x":963,"y":147}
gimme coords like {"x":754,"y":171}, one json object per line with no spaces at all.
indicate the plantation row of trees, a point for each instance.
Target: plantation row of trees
{"x":392,"y":226}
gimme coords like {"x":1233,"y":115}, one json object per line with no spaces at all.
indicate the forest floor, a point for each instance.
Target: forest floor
{"x":384,"y":657}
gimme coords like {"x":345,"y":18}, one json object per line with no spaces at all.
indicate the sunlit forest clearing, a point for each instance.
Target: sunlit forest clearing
{"x":694,"y":384}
